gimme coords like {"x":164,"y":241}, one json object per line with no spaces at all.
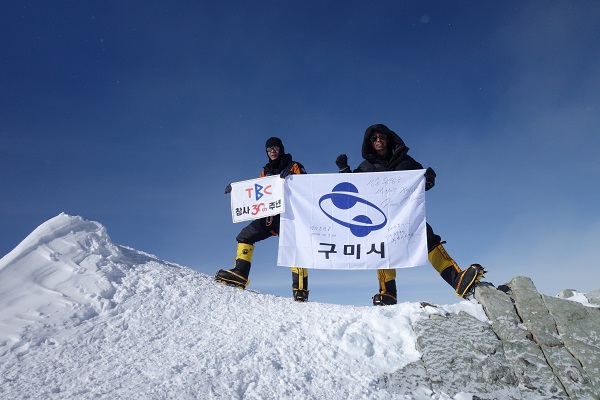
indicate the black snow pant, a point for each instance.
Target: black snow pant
{"x":259,"y":229}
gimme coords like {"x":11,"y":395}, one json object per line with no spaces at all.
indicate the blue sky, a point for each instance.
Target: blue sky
{"x":137,"y":115}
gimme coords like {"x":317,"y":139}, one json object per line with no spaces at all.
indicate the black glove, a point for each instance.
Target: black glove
{"x":342,"y":162}
{"x":429,"y":178}
{"x":285,"y":172}
{"x":228,"y":189}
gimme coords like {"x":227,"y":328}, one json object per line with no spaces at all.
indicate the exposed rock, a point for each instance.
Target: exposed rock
{"x":566,"y":294}
{"x":536,"y":347}
{"x":481,"y":366}
{"x":593,"y":297}
{"x":579,"y":329}
{"x":537,"y":319}
{"x":522,"y":352}
{"x":406,"y":380}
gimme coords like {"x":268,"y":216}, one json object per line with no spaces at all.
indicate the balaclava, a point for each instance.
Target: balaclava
{"x":275,"y":141}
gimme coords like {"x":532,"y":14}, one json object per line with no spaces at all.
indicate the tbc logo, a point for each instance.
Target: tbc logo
{"x":259,"y":191}
{"x":343,"y":197}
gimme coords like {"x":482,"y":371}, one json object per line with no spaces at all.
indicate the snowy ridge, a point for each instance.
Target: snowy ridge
{"x":81,"y":317}
{"x":61,"y":267}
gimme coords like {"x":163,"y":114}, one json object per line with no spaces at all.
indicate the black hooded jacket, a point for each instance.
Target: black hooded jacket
{"x":396,"y":159}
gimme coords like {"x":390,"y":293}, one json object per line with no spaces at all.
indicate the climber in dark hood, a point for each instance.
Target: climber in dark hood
{"x":383,"y":150}
{"x":396,"y":146}
{"x":395,"y":157}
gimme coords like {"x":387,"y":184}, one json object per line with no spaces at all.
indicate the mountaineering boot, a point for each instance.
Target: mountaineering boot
{"x":300,"y":284}
{"x":468,"y":280}
{"x":238,"y":276}
{"x":463,"y":281}
{"x":387,"y":288}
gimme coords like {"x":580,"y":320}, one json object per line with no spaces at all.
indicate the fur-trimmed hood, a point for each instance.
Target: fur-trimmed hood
{"x":395,"y":143}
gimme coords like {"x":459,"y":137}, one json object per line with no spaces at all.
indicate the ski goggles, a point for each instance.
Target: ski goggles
{"x":379,"y":136}
{"x":272,"y":148}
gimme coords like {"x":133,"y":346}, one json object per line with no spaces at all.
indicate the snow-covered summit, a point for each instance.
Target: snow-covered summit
{"x":82,"y":317}
{"x":67,"y":268}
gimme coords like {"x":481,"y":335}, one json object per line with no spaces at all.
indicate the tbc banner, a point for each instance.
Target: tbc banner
{"x":257,"y":198}
{"x":354,"y":221}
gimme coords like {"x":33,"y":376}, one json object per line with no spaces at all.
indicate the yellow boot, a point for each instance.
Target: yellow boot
{"x":463,"y":282}
{"x":387,"y":288}
{"x":300,"y":284}
{"x":238,"y":276}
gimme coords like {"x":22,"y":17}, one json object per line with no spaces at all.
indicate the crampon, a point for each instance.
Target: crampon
{"x":469,"y":278}
{"x":230,"y":278}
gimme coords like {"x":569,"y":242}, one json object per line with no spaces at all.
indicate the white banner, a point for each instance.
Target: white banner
{"x":354,"y":221}
{"x":257,"y":198}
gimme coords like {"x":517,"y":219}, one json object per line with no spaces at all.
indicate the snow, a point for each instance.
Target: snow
{"x":82,"y":317}
{"x":579,"y":298}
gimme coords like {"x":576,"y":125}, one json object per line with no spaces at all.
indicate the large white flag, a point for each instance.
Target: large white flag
{"x":354,"y":221}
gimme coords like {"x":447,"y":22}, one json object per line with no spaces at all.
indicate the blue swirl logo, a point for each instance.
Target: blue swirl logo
{"x":344,"y":197}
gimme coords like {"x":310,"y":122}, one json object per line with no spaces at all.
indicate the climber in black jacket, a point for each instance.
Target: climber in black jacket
{"x":384,"y":150}
{"x":283,"y":165}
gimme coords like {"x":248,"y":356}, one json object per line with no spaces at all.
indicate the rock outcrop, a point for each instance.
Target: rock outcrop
{"x":537,"y":347}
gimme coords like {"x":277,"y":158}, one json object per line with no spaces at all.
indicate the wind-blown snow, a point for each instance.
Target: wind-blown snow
{"x":81,"y":317}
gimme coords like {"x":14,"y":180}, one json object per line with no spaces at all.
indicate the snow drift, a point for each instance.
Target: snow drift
{"x":82,"y":317}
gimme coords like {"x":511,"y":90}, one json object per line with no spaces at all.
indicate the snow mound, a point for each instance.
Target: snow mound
{"x":65,"y":269}
{"x":81,"y":317}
